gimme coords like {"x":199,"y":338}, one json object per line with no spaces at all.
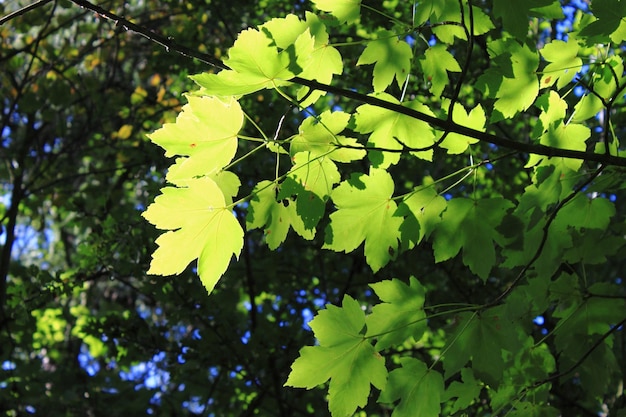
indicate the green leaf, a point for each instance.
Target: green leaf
{"x":564,"y":136}
{"x":448,"y":32}
{"x":344,"y":10}
{"x":309,"y":206}
{"x":201,"y":227}
{"x":229,"y":183}
{"x":514,"y":14}
{"x":470,"y":225}
{"x":276,"y":214}
{"x":465,"y":392}
{"x":609,"y":20}
{"x":422,"y":211}
{"x":401,"y":315}
{"x":583,"y":212}
{"x":394,"y":131}
{"x":418,"y":388}
{"x":317,"y":174}
{"x":365,"y":213}
{"x":553,"y":111}
{"x":513,"y":79}
{"x":587,"y":107}
{"x":475,"y":119}
{"x":320,"y":136}
{"x":206,"y":132}
{"x":344,"y":356}
{"x":518,"y":92}
{"x":324,"y":61}
{"x":391,"y":57}
{"x":256,"y":63}
{"x":481,"y":338}
{"x":436,"y":63}
{"x":563,"y":60}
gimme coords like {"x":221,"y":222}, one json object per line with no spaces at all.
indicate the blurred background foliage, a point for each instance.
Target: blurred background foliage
{"x":83,"y":330}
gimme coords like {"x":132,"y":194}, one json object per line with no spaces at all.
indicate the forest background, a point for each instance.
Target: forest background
{"x":468,"y":179}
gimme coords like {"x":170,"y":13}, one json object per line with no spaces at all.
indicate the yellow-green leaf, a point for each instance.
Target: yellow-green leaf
{"x":200,"y":226}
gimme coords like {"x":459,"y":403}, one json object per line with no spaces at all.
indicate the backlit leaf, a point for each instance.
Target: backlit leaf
{"x":316,"y":174}
{"x":256,"y":63}
{"x":201,"y":227}
{"x":344,"y":356}
{"x":401,"y":314}
{"x":391,"y":58}
{"x":455,"y":143}
{"x":481,"y":338}
{"x":436,"y":63}
{"x":365,"y":214}
{"x":564,"y":62}
{"x":324,"y":61}
{"x":275,"y":214}
{"x":418,"y":388}
{"x":465,"y":392}
{"x":320,"y":136}
{"x":205,"y":133}
{"x":394,"y":131}
{"x":344,"y":10}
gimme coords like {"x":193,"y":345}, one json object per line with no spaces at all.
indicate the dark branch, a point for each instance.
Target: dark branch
{"x":23,"y":10}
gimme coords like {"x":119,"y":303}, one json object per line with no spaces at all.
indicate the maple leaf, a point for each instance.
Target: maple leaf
{"x":470,"y":225}
{"x":400,"y":316}
{"x":512,"y":80}
{"x":320,"y":136}
{"x":276,"y":212}
{"x":481,"y":338}
{"x":324,"y":60}
{"x":200,"y":226}
{"x":456,"y":143}
{"x":391,"y":58}
{"x":344,"y":356}
{"x":392,"y":130}
{"x":563,"y":60}
{"x":418,"y":388}
{"x":205,"y":132}
{"x":609,"y":20}
{"x":344,"y":10}
{"x":514,"y":14}
{"x":256,"y":63}
{"x":421,"y":210}
{"x":436,"y":63}
{"x":465,"y":393}
{"x":316,"y":174}
{"x":365,"y":213}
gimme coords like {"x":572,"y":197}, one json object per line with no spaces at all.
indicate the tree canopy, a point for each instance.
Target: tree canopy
{"x":396,"y":208}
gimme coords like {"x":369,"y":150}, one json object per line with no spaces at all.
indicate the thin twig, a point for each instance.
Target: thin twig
{"x":23,"y":10}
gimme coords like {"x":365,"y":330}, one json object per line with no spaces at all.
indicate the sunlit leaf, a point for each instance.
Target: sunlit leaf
{"x":391,"y":57}
{"x":365,"y":215}
{"x":436,"y":63}
{"x":344,"y":10}
{"x":343,"y":355}
{"x":256,"y":63}
{"x":201,"y":227}
{"x":401,"y":314}
{"x":205,"y":133}
{"x":394,"y":131}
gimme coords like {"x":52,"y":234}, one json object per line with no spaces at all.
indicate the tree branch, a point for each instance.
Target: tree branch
{"x":445,"y":125}
{"x":23,"y":10}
